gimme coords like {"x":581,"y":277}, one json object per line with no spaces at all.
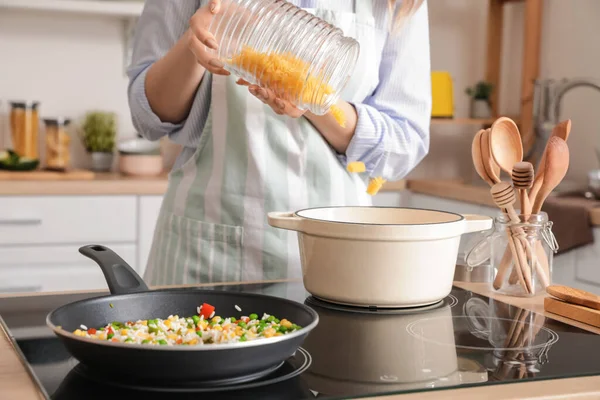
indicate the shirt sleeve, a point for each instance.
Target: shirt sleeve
{"x":392,"y":132}
{"x":160,"y":26}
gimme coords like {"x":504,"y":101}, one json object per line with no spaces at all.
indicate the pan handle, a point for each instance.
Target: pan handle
{"x":120,"y":277}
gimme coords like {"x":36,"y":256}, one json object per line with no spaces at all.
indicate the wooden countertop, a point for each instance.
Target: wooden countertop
{"x":460,"y":191}
{"x":16,"y":382}
{"x":102,"y":184}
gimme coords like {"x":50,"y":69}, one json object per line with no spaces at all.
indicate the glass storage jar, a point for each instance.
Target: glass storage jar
{"x":276,"y":45}
{"x":520,"y":252}
{"x":58,"y":157}
{"x":24,"y":126}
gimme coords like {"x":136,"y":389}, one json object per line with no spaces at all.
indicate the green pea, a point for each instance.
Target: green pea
{"x":295,"y":327}
{"x":243,"y":338}
{"x":260,"y":329}
{"x":162,"y":342}
{"x":242,"y":324}
{"x":253,"y":317}
{"x":101,"y":329}
{"x":276,"y":321}
{"x":116,"y":324}
{"x":271,"y":319}
{"x":196,"y":319}
{"x":145,"y":341}
{"x":110,"y":336}
{"x":233,"y":319}
{"x":128,"y":340}
{"x":282,"y":329}
{"x":199,"y":333}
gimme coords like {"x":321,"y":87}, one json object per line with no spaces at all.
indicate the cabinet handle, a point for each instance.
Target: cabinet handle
{"x":23,"y":221}
{"x":20,"y":289}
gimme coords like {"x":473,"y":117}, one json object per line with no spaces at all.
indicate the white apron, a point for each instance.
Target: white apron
{"x":250,"y":161}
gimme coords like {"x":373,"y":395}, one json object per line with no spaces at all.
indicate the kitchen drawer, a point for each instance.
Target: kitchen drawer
{"x":53,"y":268}
{"x":67,"y":219}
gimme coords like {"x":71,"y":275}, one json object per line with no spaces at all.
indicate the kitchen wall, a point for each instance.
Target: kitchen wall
{"x":74,"y":64}
{"x":569,"y":49}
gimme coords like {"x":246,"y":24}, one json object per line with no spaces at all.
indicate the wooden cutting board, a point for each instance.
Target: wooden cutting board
{"x":573,"y":311}
{"x":41,"y":175}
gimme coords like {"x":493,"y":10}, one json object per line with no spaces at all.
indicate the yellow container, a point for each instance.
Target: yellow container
{"x":442,"y":95}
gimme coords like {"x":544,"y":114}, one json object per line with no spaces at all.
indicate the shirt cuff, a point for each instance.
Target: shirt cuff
{"x":366,"y":145}
{"x":145,"y":120}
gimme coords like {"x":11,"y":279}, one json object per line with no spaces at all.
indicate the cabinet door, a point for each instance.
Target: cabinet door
{"x":40,"y":220}
{"x":149,"y":208}
{"x":53,"y":268}
{"x":587,"y":263}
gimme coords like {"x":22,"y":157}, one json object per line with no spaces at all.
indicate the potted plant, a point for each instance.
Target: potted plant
{"x":99,"y":131}
{"x":480,"y":100}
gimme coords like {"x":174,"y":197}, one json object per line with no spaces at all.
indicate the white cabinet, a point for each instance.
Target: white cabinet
{"x":53,"y":268}
{"x":67,"y":219}
{"x":40,"y":237}
{"x":149,"y":207}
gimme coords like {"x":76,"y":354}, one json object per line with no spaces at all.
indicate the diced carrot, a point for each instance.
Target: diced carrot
{"x":91,"y":331}
{"x":114,"y":339}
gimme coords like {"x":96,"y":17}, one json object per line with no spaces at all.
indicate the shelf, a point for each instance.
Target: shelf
{"x":466,"y":121}
{"x":106,"y":7}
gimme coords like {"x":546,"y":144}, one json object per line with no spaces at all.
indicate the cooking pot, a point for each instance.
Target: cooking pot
{"x":379,"y":355}
{"x":378,"y":256}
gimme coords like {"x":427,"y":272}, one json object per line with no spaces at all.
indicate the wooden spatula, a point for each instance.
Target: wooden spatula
{"x":574,"y":296}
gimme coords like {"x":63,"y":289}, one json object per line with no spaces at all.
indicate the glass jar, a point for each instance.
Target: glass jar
{"x":58,"y":157}
{"x":520,"y":252}
{"x":24,"y":126}
{"x":276,"y":45}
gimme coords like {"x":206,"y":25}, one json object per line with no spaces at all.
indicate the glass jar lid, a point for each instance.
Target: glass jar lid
{"x":25,"y":104}
{"x":57,"y":121}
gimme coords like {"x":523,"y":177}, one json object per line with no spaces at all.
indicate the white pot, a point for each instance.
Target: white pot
{"x":379,"y":256}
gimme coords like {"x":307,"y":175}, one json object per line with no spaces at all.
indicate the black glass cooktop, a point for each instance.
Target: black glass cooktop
{"x":465,"y":340}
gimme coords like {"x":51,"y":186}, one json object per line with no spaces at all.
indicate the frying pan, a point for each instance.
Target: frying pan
{"x":131,"y":300}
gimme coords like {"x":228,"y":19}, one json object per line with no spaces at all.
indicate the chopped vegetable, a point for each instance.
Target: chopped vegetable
{"x":206,"y":310}
{"x":111,"y":305}
{"x":193,"y":330}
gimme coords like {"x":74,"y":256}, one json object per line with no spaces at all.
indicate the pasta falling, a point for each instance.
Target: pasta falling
{"x":375,"y":184}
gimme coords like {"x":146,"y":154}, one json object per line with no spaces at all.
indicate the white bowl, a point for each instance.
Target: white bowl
{"x":138,"y":146}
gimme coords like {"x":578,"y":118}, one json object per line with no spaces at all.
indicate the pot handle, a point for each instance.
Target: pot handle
{"x":120,"y":277}
{"x":285,"y":220}
{"x":477,"y":223}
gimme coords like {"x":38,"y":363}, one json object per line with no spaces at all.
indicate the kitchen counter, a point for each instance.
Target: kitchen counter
{"x":102,"y":184}
{"x":108,"y":184}
{"x":460,"y":191}
{"x":16,"y":382}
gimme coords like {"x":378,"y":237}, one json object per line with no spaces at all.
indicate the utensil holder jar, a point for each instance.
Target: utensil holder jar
{"x":276,"y":45}
{"x":520,"y":253}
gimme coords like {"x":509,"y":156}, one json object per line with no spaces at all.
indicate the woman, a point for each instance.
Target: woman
{"x":246,"y":153}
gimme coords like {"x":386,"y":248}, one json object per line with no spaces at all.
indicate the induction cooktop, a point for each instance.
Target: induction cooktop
{"x":464,"y":340}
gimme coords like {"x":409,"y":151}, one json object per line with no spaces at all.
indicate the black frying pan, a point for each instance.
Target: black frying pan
{"x":132,"y":300}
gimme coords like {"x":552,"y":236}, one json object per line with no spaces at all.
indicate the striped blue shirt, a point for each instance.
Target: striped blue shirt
{"x":392,"y":133}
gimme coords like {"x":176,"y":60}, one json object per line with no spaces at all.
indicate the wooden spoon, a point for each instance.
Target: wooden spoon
{"x":561,"y":130}
{"x":575,"y":296}
{"x":556,"y":166}
{"x":490,"y":165}
{"x":505,"y":144}
{"x":504,"y":197}
{"x":477,"y":156}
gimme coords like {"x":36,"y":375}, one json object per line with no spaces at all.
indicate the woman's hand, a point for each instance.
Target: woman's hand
{"x":267,"y":96}
{"x":199,"y":38}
